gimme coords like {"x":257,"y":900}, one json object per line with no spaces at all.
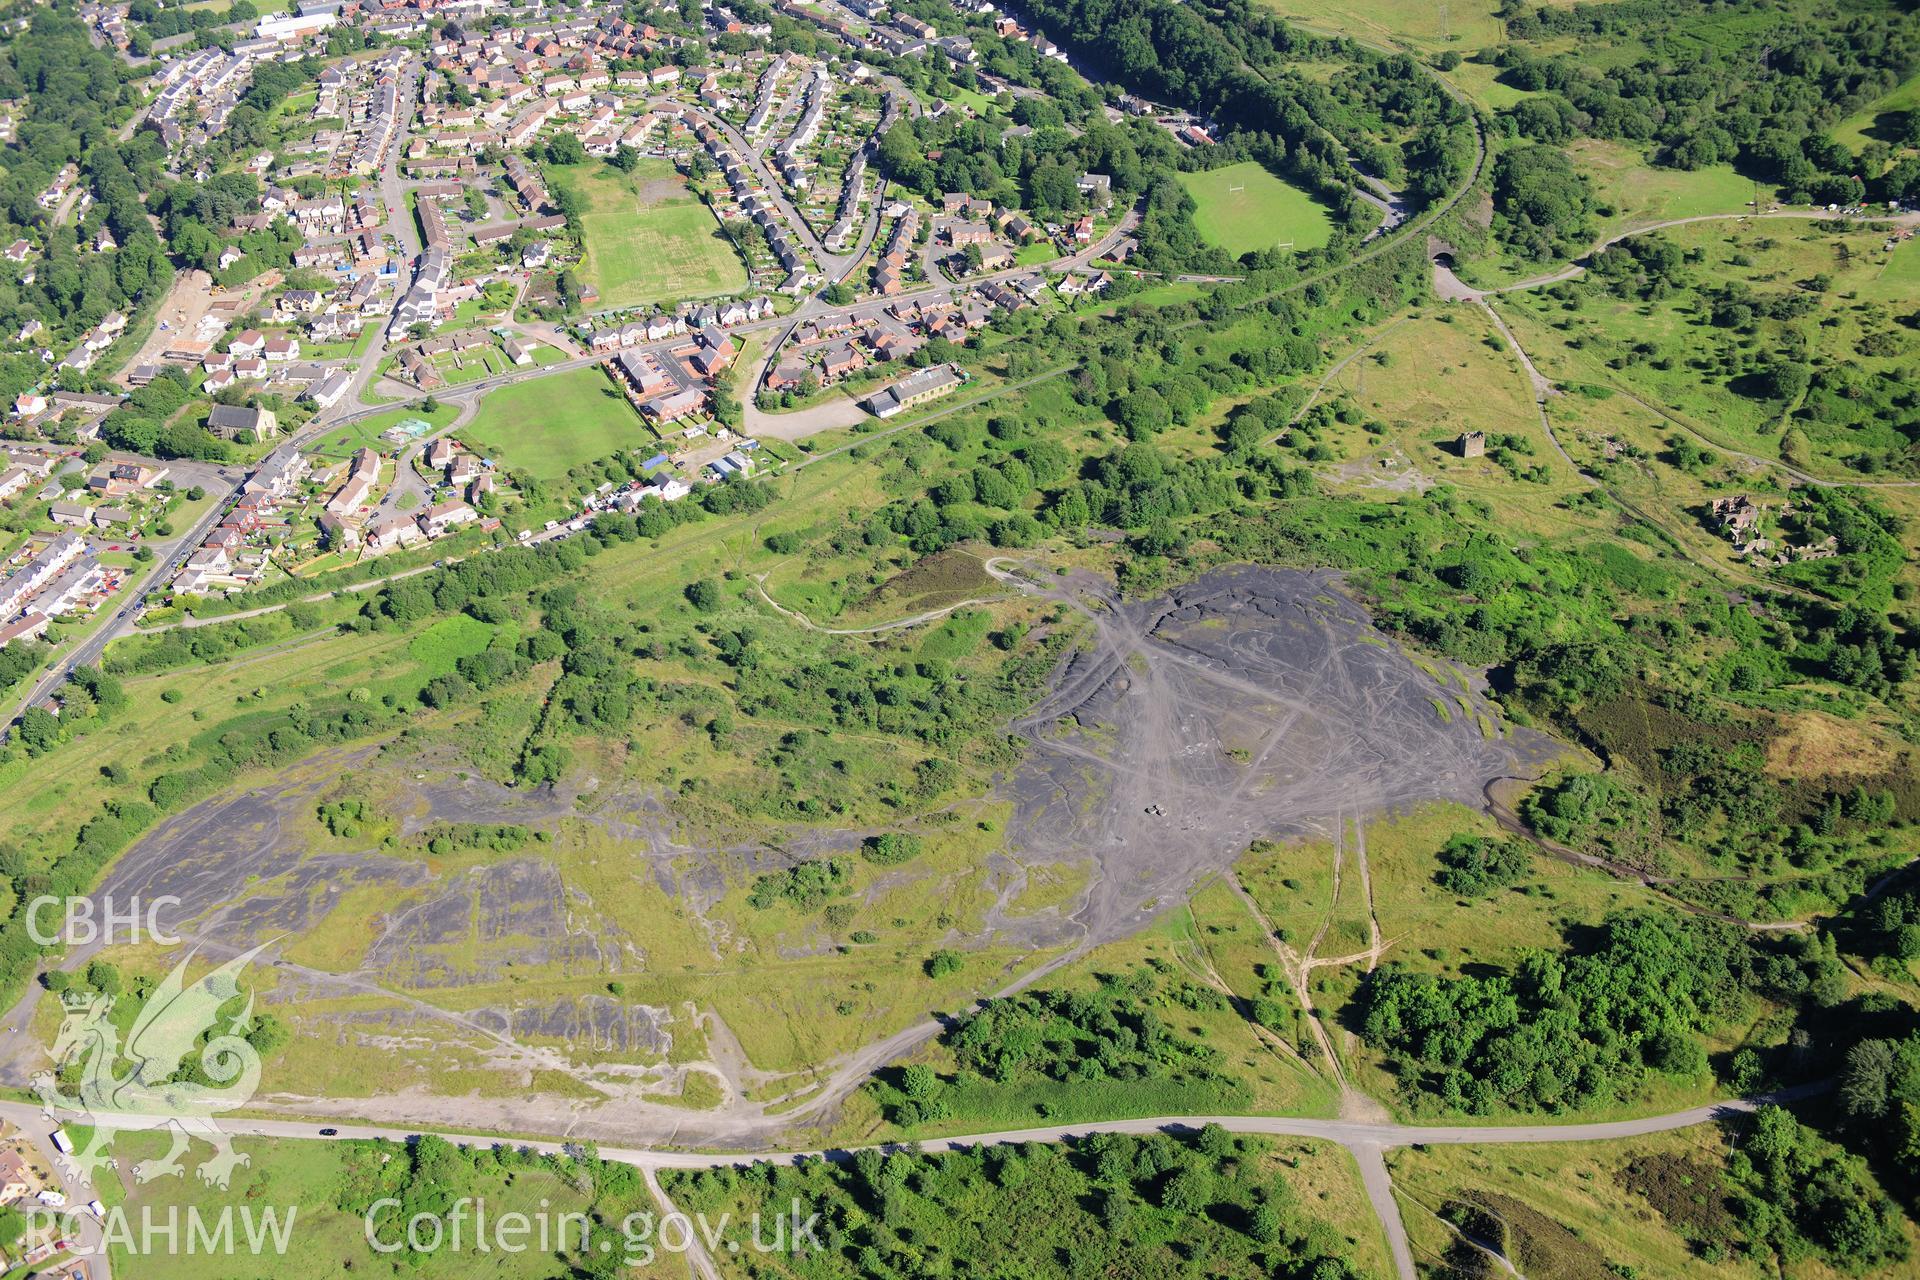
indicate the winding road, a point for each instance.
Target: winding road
{"x":1450,"y":288}
{"x":1453,"y":289}
{"x":1366,"y":1141}
{"x":899,"y":624}
{"x":1384,"y":1135}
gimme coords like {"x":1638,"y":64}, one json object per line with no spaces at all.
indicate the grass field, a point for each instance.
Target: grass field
{"x":471,"y":366}
{"x":1582,"y":343}
{"x":301,"y":1182}
{"x":1426,"y":380}
{"x":1243,"y":208}
{"x":1877,"y":121}
{"x":447,"y":641}
{"x":1480,"y":81}
{"x":1585,"y":1189}
{"x":1903,"y":267}
{"x":972,"y":99}
{"x":547,"y":426}
{"x":647,"y":237}
{"x":1032,"y":255}
{"x":1401,"y":24}
{"x":359,"y":346}
{"x":365,"y":433}
{"x":1637,"y":192}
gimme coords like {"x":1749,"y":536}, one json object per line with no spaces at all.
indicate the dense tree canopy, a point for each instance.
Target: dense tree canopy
{"x":1542,"y":202}
{"x":1756,"y":87}
{"x":1568,"y":1029}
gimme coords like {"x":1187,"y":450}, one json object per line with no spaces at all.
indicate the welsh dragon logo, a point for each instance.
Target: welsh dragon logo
{"x":137,"y":1086}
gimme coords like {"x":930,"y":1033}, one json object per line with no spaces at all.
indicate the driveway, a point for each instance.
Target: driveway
{"x":83,"y":1228}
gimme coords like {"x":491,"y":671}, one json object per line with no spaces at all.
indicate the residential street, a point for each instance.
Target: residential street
{"x":87,"y":1231}
{"x":129,"y":605}
{"x":1248,"y":446}
{"x":399,"y":219}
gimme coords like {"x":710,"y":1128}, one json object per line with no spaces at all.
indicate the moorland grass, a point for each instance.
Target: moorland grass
{"x":1412,"y":24}
{"x":1879,"y":120}
{"x":1585,"y":1188}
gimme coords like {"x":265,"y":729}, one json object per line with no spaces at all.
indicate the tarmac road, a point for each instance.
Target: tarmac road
{"x":832,"y":413}
{"x":87,"y":1231}
{"x":1383,"y":1135}
{"x":88,"y":651}
{"x":1368,"y":1142}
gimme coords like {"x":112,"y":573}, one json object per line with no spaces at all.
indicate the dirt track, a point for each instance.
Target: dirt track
{"x":190,"y":299}
{"x":1252,"y":704}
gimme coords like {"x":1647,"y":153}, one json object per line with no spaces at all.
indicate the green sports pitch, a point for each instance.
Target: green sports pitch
{"x":1243,"y":208}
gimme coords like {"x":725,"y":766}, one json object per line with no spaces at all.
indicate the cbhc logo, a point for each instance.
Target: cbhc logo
{"x":82,"y":922}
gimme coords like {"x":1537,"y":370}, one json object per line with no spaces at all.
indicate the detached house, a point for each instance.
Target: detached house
{"x":246,"y":424}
